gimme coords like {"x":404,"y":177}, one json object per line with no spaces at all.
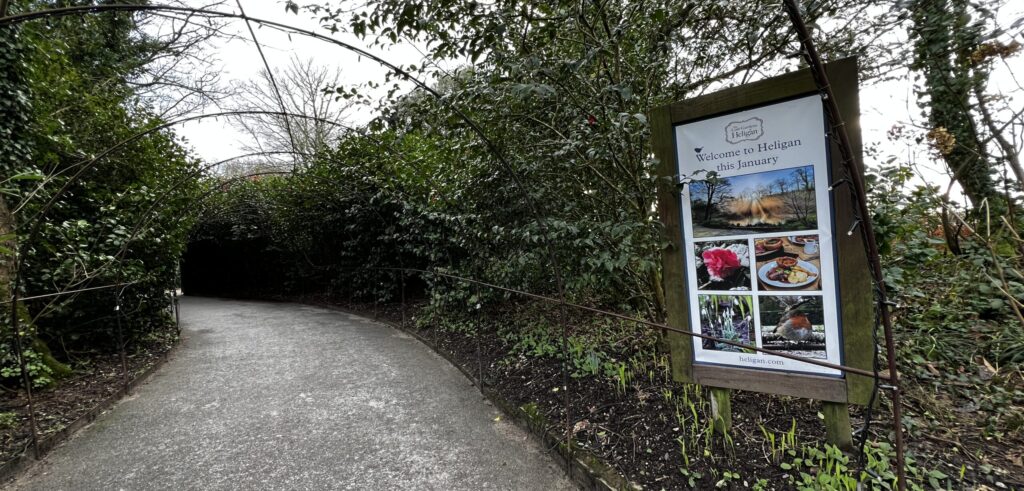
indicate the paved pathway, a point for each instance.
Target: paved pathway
{"x":285,"y":396}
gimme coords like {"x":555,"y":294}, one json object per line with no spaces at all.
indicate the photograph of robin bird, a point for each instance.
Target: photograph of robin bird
{"x":795,"y":324}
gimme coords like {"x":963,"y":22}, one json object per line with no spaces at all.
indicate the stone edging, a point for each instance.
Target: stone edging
{"x":585,"y":469}
{"x":13,"y":468}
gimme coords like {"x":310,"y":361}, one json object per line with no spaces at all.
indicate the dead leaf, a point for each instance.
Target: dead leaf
{"x":985,"y":369}
{"x":580,"y":426}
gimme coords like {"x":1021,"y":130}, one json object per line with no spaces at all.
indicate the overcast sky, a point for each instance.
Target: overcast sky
{"x":882,"y":105}
{"x":215,"y":139}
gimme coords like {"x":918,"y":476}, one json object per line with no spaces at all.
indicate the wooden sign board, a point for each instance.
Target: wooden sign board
{"x":760,"y":252}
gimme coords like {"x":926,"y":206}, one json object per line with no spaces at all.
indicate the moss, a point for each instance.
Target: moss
{"x":58,"y":370}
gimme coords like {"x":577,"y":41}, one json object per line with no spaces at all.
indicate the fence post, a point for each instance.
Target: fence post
{"x":564,"y":322}
{"x":837,"y":424}
{"x":376,"y":300}
{"x":25,"y":377}
{"x":177,"y":312}
{"x":401,"y":288}
{"x":721,"y":410}
{"x":120,"y":340}
{"x":475,"y":298}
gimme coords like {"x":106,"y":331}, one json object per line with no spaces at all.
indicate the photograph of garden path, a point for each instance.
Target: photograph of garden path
{"x":763,"y":202}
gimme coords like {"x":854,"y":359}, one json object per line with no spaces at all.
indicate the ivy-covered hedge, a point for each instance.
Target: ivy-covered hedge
{"x":78,"y":222}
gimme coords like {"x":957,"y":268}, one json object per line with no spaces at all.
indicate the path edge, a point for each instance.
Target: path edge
{"x":14,"y":469}
{"x":584,"y":468}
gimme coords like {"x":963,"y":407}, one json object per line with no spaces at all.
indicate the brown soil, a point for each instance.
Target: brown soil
{"x":636,"y":431}
{"x":95,"y":378}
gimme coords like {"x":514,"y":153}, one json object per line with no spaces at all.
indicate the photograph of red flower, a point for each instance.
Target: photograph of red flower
{"x":723,"y":265}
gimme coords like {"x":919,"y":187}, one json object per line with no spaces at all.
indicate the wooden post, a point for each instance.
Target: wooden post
{"x":837,"y":425}
{"x":680,"y":346}
{"x":475,"y":296}
{"x":721,"y":410}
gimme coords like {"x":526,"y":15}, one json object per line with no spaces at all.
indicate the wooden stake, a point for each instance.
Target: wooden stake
{"x":837,"y":425}
{"x":721,"y":410}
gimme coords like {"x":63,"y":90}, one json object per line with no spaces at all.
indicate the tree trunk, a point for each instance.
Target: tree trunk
{"x":7,"y":248}
{"x":944,"y":43}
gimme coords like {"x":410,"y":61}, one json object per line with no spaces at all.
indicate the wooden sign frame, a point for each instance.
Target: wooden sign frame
{"x":856,"y":313}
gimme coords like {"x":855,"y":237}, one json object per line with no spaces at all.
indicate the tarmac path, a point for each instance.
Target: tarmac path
{"x":286,"y":396}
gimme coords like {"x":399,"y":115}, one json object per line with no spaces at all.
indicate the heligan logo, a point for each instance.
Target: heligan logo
{"x":746,"y":130}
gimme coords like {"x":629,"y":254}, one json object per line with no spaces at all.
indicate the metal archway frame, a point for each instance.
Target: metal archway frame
{"x":492,"y":148}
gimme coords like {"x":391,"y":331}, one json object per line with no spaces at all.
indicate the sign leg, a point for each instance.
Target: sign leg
{"x":721,"y":410}
{"x":838,"y":431}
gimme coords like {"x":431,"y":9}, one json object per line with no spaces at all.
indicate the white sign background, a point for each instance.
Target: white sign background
{"x":784,"y":135}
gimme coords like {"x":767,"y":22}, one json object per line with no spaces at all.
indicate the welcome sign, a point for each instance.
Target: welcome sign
{"x":757,"y":236}
{"x":754,"y":257}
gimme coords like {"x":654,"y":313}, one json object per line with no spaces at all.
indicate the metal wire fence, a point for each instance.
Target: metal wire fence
{"x":399,"y":275}
{"x":108,"y":373}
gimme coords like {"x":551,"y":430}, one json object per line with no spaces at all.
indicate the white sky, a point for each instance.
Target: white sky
{"x":882,"y":105}
{"x":215,"y":139}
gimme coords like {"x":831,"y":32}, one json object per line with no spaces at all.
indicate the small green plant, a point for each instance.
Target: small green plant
{"x":682,"y":451}
{"x":769,"y":437}
{"x":820,"y":469}
{"x":39,"y":372}
{"x":691,"y":476}
{"x":828,"y":468}
{"x":780,"y":443}
{"x":536,"y":342}
{"x":622,"y":377}
{"x":532,"y":413}
{"x":727,"y":477}
{"x":8,"y":421}
{"x":584,"y":360}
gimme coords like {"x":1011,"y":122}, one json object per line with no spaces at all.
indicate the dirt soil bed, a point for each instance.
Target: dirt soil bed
{"x":95,"y":378}
{"x":637,"y":433}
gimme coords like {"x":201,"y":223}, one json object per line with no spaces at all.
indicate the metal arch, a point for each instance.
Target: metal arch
{"x":855,"y":174}
{"x":85,"y":165}
{"x":89,"y":163}
{"x":91,"y":9}
{"x":492,"y":148}
{"x":270,"y":75}
{"x":148,"y":217}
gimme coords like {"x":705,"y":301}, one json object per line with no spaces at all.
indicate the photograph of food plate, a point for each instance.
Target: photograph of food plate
{"x":788,"y":263}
